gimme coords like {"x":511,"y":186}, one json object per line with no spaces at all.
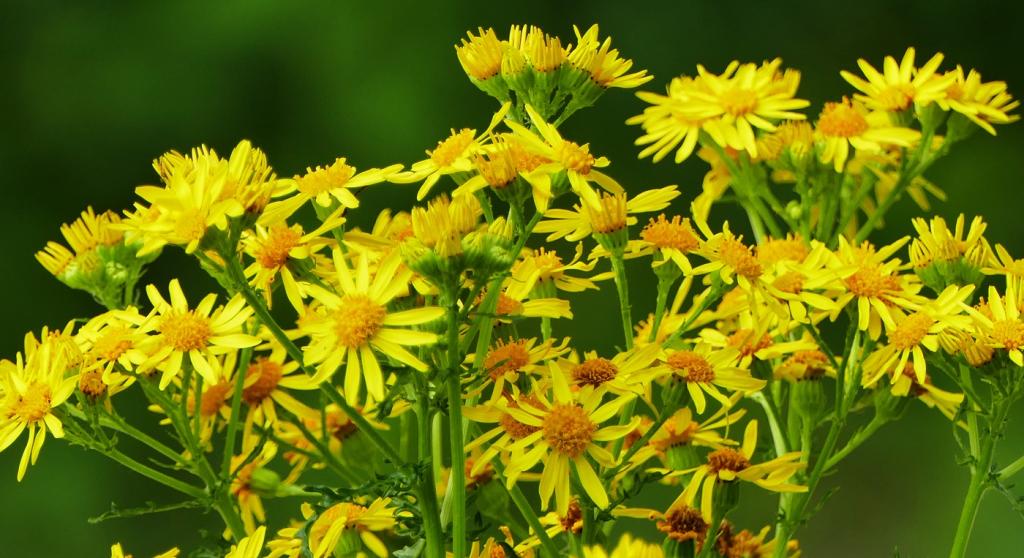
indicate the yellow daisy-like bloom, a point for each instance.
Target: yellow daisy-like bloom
{"x":507,"y":359}
{"x":627,"y":547}
{"x":999,"y":324}
{"x":200,"y":333}
{"x":602,"y":63}
{"x":666,"y":123}
{"x":742,"y":98}
{"x":936,"y":243}
{"x":515,"y":302}
{"x":672,"y":238}
{"x":729,"y":465}
{"x":611,"y":214}
{"x":30,"y":388}
{"x":508,"y":430}
{"x":117,"y":552}
{"x":501,"y":163}
{"x":682,"y":430}
{"x":621,"y":374}
{"x":113,"y":339}
{"x":984,"y":103}
{"x":575,"y":160}
{"x":705,"y":369}
{"x":84,"y":236}
{"x":197,"y":196}
{"x":324,"y":186}
{"x":728,"y":256}
{"x":899,"y":85}
{"x":795,"y":288}
{"x":327,"y":529}
{"x":452,"y":154}
{"x":848,"y":124}
{"x":568,"y":430}
{"x":350,"y":325}
{"x":249,"y":179}
{"x":266,"y":380}
{"x":545,"y":272}
{"x":249,"y":547}
{"x":875,"y":282}
{"x":915,"y":332}
{"x":746,"y":544}
{"x":276,"y":247}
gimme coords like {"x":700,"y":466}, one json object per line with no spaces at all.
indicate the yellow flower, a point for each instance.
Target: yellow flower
{"x":729,"y":465}
{"x":704,"y":369}
{"x":544,"y":272}
{"x":249,"y":547}
{"x":907,"y":385}
{"x":350,"y":325}
{"x":575,"y":160}
{"x":875,"y":281}
{"x":324,"y":186}
{"x":506,"y":359}
{"x":266,"y":380}
{"x":899,"y":85}
{"x":197,"y":333}
{"x":936,"y":243}
{"x":568,"y":427}
{"x":30,"y":389}
{"x":746,"y":544}
{"x":515,"y":302}
{"x":275,"y":249}
{"x":452,"y":155}
{"x":197,"y":196}
{"x":480,"y":55}
{"x":114,"y":339}
{"x":848,"y":124}
{"x":627,"y":547}
{"x":248,"y":177}
{"x":621,"y":374}
{"x":666,"y":123}
{"x":795,"y":288}
{"x":84,"y":236}
{"x":326,"y":530}
{"x":611,"y":214}
{"x":501,"y":164}
{"x":543,"y":52}
{"x":250,"y":503}
{"x":672,"y":238}
{"x":682,"y":430}
{"x":915,"y":332}
{"x":999,"y":323}
{"x":742,"y":98}
{"x":984,"y":103}
{"x":728,"y":256}
{"x":602,"y":63}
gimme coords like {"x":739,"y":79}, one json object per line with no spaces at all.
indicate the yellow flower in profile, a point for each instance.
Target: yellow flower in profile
{"x":276,"y":248}
{"x":248,"y":495}
{"x":848,"y":124}
{"x":30,"y":389}
{"x":248,"y":178}
{"x":200,"y":333}
{"x":998,"y":322}
{"x":323,"y":186}
{"x":543,"y":52}
{"x":543,"y":271}
{"x":936,"y":243}
{"x":117,"y":552}
{"x":575,"y":160}
{"x":899,"y":85}
{"x":611,"y":214}
{"x":84,"y":236}
{"x":196,"y":196}
{"x":983,"y":103}
{"x":568,"y":429}
{"x":729,"y":465}
{"x":249,"y":547}
{"x":602,"y":63}
{"x":480,"y":55}
{"x":906,"y":385}
{"x":667,"y":125}
{"x":452,"y":155}
{"x":351,"y":325}
{"x":915,"y":332}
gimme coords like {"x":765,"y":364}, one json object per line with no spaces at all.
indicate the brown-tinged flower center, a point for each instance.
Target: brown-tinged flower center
{"x":506,"y":357}
{"x":684,"y":524}
{"x":273,"y":251}
{"x":568,"y":429}
{"x":747,"y":343}
{"x":91,"y":383}
{"x":691,"y":366}
{"x":727,"y":459}
{"x":594,"y":372}
{"x":268,"y":374}
{"x":909,"y":333}
{"x":214,"y":398}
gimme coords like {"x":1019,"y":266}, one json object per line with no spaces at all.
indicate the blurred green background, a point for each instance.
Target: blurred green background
{"x":92,"y":92}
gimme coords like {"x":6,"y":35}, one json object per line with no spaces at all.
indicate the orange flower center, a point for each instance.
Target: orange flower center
{"x":691,"y":366}
{"x":569,"y":430}
{"x":575,"y":157}
{"x":515,"y":429}
{"x":268,"y":374}
{"x":508,"y":306}
{"x":319,"y":180}
{"x":739,"y":102}
{"x":909,"y":333}
{"x":1008,"y":333}
{"x":727,"y":459}
{"x":498,"y":168}
{"x":869,"y":282}
{"x":357,"y":320}
{"x":676,"y":234}
{"x":790,"y":282}
{"x":744,"y":341}
{"x":595,"y":371}
{"x":506,"y":358}
{"x":91,"y":384}
{"x":186,"y":331}
{"x":213,"y":399}
{"x":684,"y":524}
{"x":33,"y":405}
{"x":113,"y":343}
{"x":451,"y":148}
{"x":272,"y":252}
{"x":740,"y":257}
{"x":842,"y":120}
{"x":572,"y":521}
{"x":782,"y":249}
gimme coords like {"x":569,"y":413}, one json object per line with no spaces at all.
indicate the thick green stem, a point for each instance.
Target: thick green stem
{"x":625,"y":310}
{"x":455,"y":434}
{"x":523,"y":505}
{"x":975,"y":490}
{"x":426,"y":493}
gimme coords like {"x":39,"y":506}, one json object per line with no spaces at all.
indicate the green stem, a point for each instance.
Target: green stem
{"x":226,"y":509}
{"x":778,"y":437}
{"x":625,"y":310}
{"x":858,"y":438}
{"x":427,"y":493}
{"x":236,"y":407}
{"x":155,"y":475}
{"x":975,"y":490}
{"x":523,"y":505}
{"x":455,"y":434}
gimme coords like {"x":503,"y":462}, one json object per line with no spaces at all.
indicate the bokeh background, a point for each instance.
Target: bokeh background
{"x":92,"y":92}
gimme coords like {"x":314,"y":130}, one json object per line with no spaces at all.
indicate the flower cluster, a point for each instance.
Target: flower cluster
{"x":764,"y":343}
